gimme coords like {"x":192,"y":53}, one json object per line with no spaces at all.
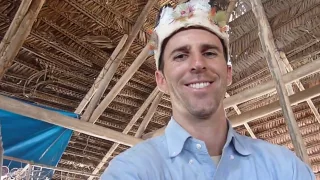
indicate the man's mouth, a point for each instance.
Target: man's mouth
{"x":199,"y":85}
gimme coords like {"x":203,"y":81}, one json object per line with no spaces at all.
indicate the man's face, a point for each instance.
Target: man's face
{"x":195,"y":73}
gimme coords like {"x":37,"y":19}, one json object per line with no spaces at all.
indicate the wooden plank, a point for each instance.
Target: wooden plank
{"x":126,"y":130}
{"x":270,"y":51}
{"x":51,"y":117}
{"x":18,"y":31}
{"x":120,"y":84}
{"x":115,"y":64}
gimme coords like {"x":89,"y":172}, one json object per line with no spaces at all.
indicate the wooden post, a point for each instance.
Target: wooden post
{"x":269,"y":48}
{"x":126,"y":130}
{"x":30,"y":164}
{"x":115,"y":64}
{"x":149,"y":115}
{"x":58,"y":119}
{"x":120,"y":84}
{"x":99,"y":79}
{"x":18,"y":31}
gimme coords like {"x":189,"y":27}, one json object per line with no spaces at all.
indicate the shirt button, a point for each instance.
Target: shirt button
{"x":198,"y":146}
{"x":191,"y":161}
{"x":231,"y":157}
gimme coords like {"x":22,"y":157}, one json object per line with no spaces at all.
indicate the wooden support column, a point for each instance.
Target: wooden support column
{"x":149,"y":115}
{"x":246,"y":125}
{"x":18,"y":31}
{"x":18,"y":107}
{"x":120,"y":84}
{"x":115,"y":64}
{"x":289,"y":68}
{"x":101,"y":76}
{"x":270,"y":51}
{"x":126,"y":130}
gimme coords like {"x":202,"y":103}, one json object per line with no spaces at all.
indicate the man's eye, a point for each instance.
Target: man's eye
{"x":210,"y":54}
{"x":180,"y":57}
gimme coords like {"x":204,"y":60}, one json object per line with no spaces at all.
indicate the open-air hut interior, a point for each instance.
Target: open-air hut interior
{"x":72,"y":41}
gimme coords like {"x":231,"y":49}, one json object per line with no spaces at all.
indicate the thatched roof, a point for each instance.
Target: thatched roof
{"x":71,"y":41}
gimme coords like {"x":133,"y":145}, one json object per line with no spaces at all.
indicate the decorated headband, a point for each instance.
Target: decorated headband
{"x":192,"y":13}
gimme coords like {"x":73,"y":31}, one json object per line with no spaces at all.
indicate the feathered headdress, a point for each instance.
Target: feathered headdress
{"x":207,"y":14}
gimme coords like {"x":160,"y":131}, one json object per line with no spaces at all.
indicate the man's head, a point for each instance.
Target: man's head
{"x":195,"y":72}
{"x":191,"y":52}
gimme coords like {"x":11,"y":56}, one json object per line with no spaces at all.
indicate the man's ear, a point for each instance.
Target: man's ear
{"x":229,"y":75}
{"x":161,"y":81}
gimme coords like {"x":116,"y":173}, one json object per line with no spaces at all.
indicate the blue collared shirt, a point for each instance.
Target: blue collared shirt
{"x":176,"y":155}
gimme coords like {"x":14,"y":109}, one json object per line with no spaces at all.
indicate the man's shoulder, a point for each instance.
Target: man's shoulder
{"x":145,"y":149}
{"x":282,"y":160}
{"x":265,"y":148}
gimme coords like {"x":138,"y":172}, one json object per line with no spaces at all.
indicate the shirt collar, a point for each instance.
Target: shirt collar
{"x":176,"y":137}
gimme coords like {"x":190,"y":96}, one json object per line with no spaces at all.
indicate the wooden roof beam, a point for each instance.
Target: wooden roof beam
{"x":18,"y":31}
{"x":96,"y":113}
{"x":48,"y":116}
{"x":269,"y":48}
{"x":126,"y":130}
{"x":115,"y":63}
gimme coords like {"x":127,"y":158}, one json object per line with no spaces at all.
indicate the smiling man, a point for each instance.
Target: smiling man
{"x":191,"y":49}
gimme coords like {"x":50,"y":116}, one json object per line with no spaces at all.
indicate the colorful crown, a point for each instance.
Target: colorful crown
{"x":193,"y":13}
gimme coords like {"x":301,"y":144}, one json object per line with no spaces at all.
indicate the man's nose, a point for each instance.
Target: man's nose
{"x":198,"y":63}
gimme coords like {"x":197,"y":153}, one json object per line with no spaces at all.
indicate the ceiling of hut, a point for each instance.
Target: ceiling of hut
{"x":72,"y":40}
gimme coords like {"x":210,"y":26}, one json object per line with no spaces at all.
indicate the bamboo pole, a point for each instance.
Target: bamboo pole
{"x":18,"y":31}
{"x":270,"y":51}
{"x":120,"y":84}
{"x":126,"y":130}
{"x":101,"y":76}
{"x":58,"y":119}
{"x":115,"y":64}
{"x":49,"y":167}
{"x":149,"y":115}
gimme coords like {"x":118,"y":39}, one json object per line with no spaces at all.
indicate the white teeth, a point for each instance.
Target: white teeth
{"x":199,"y":85}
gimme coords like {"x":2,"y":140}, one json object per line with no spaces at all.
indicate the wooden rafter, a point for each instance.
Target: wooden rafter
{"x":18,"y":31}
{"x":269,"y":48}
{"x":120,"y":84}
{"x":100,"y":78}
{"x":115,"y":63}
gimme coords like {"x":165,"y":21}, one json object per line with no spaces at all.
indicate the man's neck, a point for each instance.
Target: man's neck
{"x":212,"y":131}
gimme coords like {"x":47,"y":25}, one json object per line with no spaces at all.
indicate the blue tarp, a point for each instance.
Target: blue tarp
{"x":33,"y":140}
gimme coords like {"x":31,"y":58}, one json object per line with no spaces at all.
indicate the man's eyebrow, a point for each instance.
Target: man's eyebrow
{"x":179,"y":49}
{"x":210,"y":46}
